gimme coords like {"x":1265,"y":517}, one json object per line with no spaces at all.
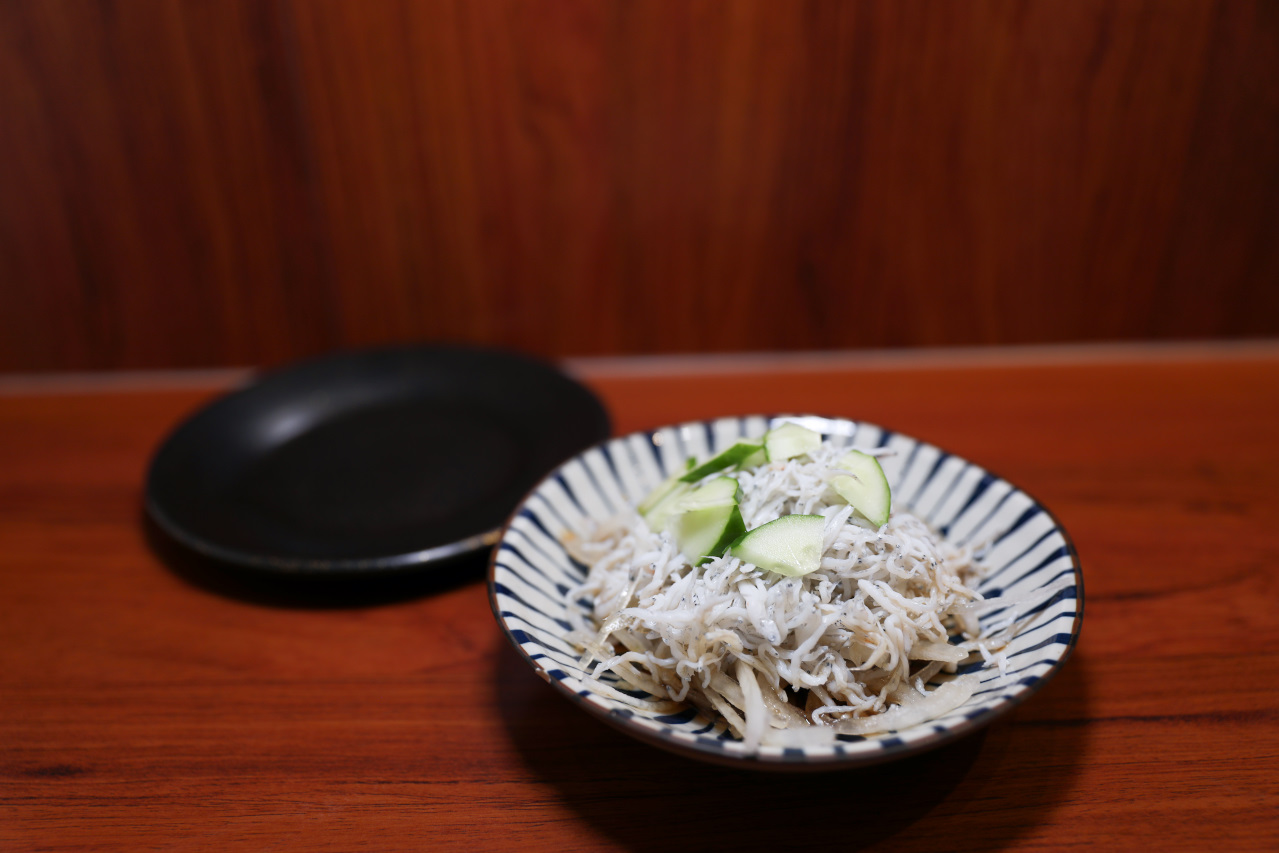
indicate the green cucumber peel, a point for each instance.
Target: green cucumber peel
{"x":706,"y":533}
{"x":732,"y":456}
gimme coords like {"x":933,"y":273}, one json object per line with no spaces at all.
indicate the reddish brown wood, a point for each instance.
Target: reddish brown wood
{"x":190,"y":183}
{"x":148,"y":702}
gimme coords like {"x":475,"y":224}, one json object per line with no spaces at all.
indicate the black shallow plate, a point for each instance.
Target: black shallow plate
{"x":369,"y":461}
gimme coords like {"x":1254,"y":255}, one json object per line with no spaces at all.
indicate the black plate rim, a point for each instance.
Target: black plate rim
{"x":339,"y":566}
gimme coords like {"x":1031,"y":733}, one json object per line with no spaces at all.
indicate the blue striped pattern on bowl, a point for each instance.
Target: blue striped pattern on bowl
{"x":1026,"y":549}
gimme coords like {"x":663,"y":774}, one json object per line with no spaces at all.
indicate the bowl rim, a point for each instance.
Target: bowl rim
{"x":787,"y":760}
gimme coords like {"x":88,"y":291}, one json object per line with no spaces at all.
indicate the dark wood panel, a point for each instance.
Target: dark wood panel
{"x":193,"y":183}
{"x":158,"y":210}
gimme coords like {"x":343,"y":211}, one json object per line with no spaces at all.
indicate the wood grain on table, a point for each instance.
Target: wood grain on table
{"x":151,"y":701}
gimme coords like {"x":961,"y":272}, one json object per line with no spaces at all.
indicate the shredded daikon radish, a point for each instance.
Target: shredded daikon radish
{"x":848,"y":648}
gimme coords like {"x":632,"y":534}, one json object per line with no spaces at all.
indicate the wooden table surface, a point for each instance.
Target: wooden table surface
{"x":151,"y":701}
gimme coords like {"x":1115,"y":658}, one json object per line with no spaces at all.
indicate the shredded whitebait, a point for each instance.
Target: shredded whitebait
{"x":848,"y":648}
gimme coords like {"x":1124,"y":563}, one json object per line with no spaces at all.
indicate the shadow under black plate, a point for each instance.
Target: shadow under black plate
{"x":367,"y":461}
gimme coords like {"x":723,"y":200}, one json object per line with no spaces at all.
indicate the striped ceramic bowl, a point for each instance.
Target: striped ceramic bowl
{"x":1025,"y":550}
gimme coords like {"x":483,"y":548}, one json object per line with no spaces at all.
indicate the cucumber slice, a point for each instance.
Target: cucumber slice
{"x":731,"y":456}
{"x":706,"y":533}
{"x":759,"y":457}
{"x":790,"y":545}
{"x":722,"y":491}
{"x":864,"y":487}
{"x":670,"y":484}
{"x":790,"y":440}
{"x":666,"y":507}
{"x":658,"y":494}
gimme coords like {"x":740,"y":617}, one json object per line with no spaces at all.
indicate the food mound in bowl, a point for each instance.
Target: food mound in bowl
{"x":774,"y":585}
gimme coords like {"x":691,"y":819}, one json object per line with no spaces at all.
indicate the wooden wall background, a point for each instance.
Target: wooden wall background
{"x":208,"y":182}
